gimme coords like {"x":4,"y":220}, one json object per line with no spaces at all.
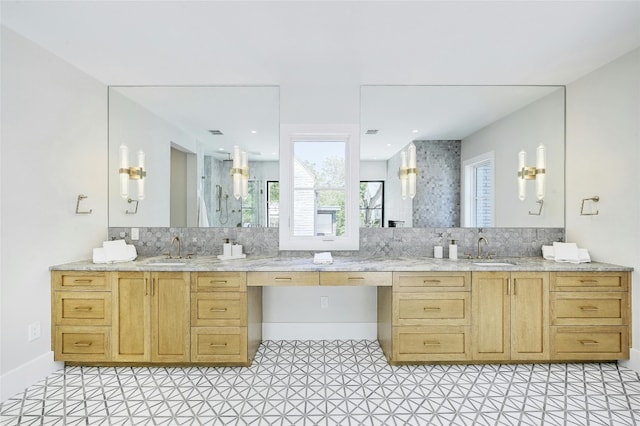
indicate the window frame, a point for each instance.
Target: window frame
{"x":360,"y":210}
{"x":349,"y":134}
{"x":469,"y":188}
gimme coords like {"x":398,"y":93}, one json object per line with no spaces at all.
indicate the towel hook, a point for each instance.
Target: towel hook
{"x":595,"y":199}
{"x":541,"y":202}
{"x":80,"y":198}
{"x":136,"y":209}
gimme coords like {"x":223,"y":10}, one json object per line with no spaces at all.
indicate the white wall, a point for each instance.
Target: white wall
{"x":54,"y":147}
{"x":603,"y":154}
{"x":139,"y":128}
{"x":541,"y":122}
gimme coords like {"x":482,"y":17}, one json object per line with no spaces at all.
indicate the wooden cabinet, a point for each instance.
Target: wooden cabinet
{"x":510,"y":316}
{"x":151,"y":319}
{"x":81,"y":316}
{"x":226,"y":318}
{"x":590,"y":315}
{"x":429,"y":318}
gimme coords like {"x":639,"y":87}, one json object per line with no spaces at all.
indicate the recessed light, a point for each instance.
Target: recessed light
{"x":414,"y":131}
{"x":220,"y":149}
{"x":254,"y":131}
{"x":388,"y":144}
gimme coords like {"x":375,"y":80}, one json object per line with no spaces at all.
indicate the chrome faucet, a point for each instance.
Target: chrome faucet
{"x":176,"y":238}
{"x":479,"y":247}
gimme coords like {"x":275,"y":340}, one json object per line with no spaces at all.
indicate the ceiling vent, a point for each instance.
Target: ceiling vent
{"x":216,"y":132}
{"x":372,"y":132}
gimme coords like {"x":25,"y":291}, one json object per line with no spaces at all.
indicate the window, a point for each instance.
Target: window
{"x":273,"y":204}
{"x":318,"y":198}
{"x":479,"y":191}
{"x":371,"y":204}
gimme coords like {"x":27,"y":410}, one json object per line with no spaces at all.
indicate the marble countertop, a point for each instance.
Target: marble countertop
{"x":399,"y":264}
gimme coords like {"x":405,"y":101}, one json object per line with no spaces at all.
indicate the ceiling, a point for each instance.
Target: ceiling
{"x":332,"y":47}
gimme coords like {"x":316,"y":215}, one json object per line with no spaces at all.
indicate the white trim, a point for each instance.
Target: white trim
{"x":20,"y":378}
{"x":633,"y":362}
{"x":320,"y":331}
{"x":467,"y":204}
{"x":348,"y":133}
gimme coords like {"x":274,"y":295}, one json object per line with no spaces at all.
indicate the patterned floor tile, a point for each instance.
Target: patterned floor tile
{"x":331,"y":383}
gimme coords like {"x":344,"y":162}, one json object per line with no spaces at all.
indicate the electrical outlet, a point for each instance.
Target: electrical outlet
{"x":34,"y":331}
{"x":324,"y":302}
{"x":135,"y":234}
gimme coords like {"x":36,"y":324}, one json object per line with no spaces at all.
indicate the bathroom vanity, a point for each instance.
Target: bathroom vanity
{"x":208,"y":312}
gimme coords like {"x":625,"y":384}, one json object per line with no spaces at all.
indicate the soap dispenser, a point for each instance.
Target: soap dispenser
{"x":226,"y":248}
{"x":453,"y":250}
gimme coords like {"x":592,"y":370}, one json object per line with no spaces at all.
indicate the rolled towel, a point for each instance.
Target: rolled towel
{"x":547,"y":252}
{"x":323,"y":258}
{"x":566,"y":252}
{"x":98,"y":255}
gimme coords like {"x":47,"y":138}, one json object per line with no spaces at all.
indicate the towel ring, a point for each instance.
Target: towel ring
{"x":80,"y":198}
{"x":136,"y":209}
{"x":595,"y":199}
{"x":541,"y":202}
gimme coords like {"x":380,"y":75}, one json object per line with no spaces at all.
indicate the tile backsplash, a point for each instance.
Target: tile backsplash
{"x":411,"y":242}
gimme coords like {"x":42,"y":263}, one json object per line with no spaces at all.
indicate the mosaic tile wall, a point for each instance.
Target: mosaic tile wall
{"x":439,"y":180}
{"x":412,"y":242}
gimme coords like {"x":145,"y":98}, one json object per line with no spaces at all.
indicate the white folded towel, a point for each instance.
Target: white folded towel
{"x":323,"y":258}
{"x":566,"y":252}
{"x":114,"y":251}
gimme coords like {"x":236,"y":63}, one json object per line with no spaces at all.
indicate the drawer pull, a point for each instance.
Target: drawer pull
{"x":588,"y":342}
{"x":83,"y":280}
{"x":430,"y":281}
{"x":217,"y":309}
{"x":431,"y":308}
{"x":588,"y":281}
{"x":282,"y":278}
{"x":431,"y":343}
{"x":589,"y":308}
{"x":356,"y":278}
{"x":83,"y":308}
{"x":218,"y":282}
{"x":82,"y":344}
{"x":217,"y":345}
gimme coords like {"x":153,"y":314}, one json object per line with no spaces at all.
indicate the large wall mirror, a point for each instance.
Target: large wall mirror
{"x":188,"y":136}
{"x":467,"y":141}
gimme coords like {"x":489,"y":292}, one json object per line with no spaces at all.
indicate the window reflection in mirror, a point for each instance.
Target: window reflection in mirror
{"x":371,"y":204}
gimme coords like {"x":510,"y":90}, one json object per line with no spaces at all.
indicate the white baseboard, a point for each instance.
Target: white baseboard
{"x":17,"y":380}
{"x":633,"y":362}
{"x":319,"y":331}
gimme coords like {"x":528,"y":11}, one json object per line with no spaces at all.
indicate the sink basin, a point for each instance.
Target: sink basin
{"x":167,"y":262}
{"x":493,"y":264}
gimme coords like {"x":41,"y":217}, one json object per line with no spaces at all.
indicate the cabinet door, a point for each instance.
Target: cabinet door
{"x":131,"y":317}
{"x":490,"y":307}
{"x":170,"y":317}
{"x":529,"y":316}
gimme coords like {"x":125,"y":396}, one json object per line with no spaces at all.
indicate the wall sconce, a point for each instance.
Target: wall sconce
{"x":240,"y":173}
{"x":131,"y":173}
{"x":526,"y":173}
{"x":408,"y":171}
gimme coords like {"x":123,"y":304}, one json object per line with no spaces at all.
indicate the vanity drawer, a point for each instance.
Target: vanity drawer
{"x":432,"y":309}
{"x":218,"y":309}
{"x":82,"y":308}
{"x":80,"y":280}
{"x":430,"y":344}
{"x":282,"y":278}
{"x":378,"y":279}
{"x":219,"y":344}
{"x":88,"y":344}
{"x":589,"y":308}
{"x":431,"y":281}
{"x":219,"y":281}
{"x":590,"y":343}
{"x":590,"y":281}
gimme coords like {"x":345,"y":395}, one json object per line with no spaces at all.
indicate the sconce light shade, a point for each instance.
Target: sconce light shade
{"x":240,"y":173}
{"x":131,"y":173}
{"x":408,"y":172}
{"x":530,"y":173}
